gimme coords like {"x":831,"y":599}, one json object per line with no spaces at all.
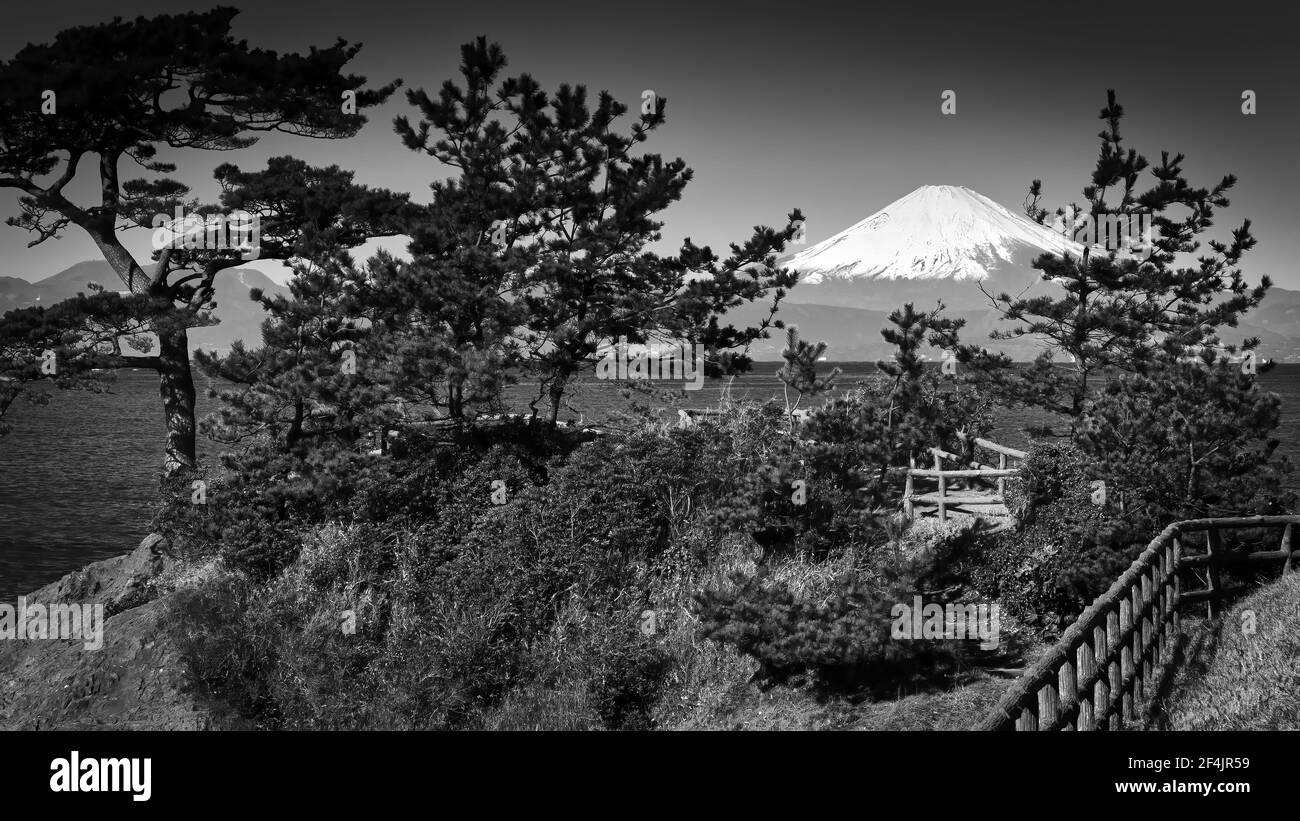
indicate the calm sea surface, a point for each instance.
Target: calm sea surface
{"x":78,"y":476}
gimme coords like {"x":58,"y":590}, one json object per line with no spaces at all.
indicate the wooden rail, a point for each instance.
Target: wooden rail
{"x":970,"y":471}
{"x":1115,"y":656}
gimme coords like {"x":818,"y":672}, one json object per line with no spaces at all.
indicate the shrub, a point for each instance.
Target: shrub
{"x":1066,"y":548}
{"x":213,"y":622}
{"x":838,"y":639}
{"x":852,"y":450}
{"x":254,"y":512}
{"x":1190,"y":438}
{"x":629,"y":682}
{"x":459,"y":592}
{"x":1056,"y":477}
{"x":466,"y":609}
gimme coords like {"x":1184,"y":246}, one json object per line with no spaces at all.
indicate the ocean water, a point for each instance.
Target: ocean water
{"x":78,"y":476}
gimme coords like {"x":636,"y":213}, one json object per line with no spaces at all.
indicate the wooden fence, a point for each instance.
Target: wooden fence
{"x":972,"y":473}
{"x":1113,"y":659}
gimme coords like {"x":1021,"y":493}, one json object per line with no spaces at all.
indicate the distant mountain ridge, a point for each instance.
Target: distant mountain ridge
{"x":241,"y":317}
{"x":938,"y":242}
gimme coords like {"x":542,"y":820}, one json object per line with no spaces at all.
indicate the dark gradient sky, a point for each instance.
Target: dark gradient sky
{"x":831,"y":107}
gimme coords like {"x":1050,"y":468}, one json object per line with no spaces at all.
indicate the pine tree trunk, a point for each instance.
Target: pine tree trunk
{"x":456,"y":398}
{"x":556,"y":396}
{"x":176,"y":386}
{"x":175,"y":379}
{"x":294,"y":434}
{"x":1080,"y":396}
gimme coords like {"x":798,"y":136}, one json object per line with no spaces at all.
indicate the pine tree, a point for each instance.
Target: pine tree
{"x":549,"y":182}
{"x":319,"y":381}
{"x":176,"y":81}
{"x":918,"y":410}
{"x":1118,"y":310}
{"x":1191,"y":438}
{"x":800,"y":370}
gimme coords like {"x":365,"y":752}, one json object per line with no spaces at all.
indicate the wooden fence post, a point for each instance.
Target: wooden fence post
{"x":1135,"y":645}
{"x":1049,"y":705}
{"x":1148,"y":633}
{"x":943,"y":489}
{"x":1028,"y":721}
{"x":1161,"y":609}
{"x":1286,"y":548}
{"x":1214,"y":547}
{"x":1178,"y":585}
{"x":1170,"y":586}
{"x":1101,"y":692}
{"x":1068,"y":689}
{"x":1084,"y":656}
{"x":1115,"y":693}
{"x":1126,"y":656}
{"x":908,"y":506}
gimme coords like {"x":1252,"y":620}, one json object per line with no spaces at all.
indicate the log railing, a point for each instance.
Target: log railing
{"x":969,"y":472}
{"x":1112,"y":660}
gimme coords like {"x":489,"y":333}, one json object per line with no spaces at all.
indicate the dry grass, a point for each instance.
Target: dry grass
{"x":746,"y":707}
{"x":538,"y":707}
{"x":1243,"y":670}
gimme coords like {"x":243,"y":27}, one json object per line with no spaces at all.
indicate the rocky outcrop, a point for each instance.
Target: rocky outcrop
{"x":118,"y":583}
{"x":137,"y":679}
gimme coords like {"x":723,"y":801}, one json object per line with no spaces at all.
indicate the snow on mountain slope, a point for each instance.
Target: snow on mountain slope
{"x":935,"y":232}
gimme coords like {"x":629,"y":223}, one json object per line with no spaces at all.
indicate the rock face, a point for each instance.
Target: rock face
{"x":117,"y":583}
{"x":136,"y":680}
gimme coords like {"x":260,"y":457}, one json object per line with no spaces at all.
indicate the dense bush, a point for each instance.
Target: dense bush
{"x":252,"y":512}
{"x":837,"y":636}
{"x":775,"y":489}
{"x":1056,"y":476}
{"x":466,"y":602}
{"x":841,"y":644}
{"x":1069,"y":542}
{"x":1188,"y":438}
{"x":456,"y":593}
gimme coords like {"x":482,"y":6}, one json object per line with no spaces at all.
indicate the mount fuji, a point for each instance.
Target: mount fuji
{"x":938,"y":240}
{"x":949,"y":243}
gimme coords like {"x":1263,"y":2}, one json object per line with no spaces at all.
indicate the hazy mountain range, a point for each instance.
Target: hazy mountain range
{"x":938,"y":242}
{"x":241,"y":318}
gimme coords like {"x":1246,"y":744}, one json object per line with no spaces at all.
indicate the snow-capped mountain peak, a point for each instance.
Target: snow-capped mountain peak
{"x":935,"y":232}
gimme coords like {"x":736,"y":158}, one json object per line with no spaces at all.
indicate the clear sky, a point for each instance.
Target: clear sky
{"x":831,"y":107}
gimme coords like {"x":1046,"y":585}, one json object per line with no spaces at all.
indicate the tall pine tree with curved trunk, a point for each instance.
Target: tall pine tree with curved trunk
{"x":123,"y":90}
{"x":555,"y":190}
{"x":1128,"y":309}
